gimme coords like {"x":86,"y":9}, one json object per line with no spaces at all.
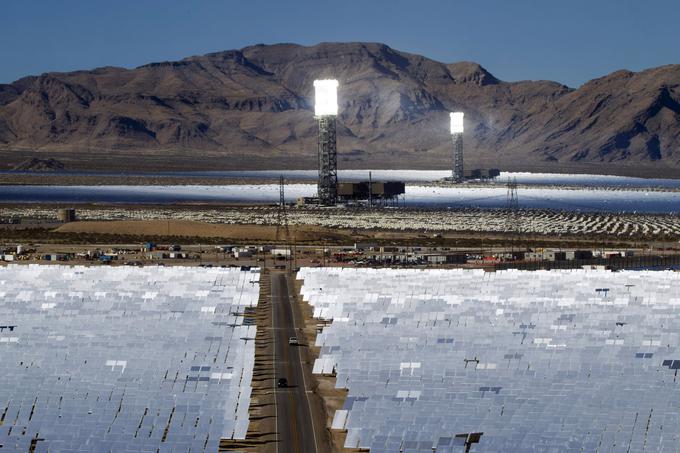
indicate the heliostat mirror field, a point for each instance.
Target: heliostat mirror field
{"x":536,"y":361}
{"x":125,"y":358}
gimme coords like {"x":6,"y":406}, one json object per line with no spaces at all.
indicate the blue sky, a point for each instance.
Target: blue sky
{"x":567,"y":41}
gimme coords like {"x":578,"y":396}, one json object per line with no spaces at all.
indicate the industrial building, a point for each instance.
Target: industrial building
{"x":482,"y":173}
{"x":558,"y":255}
{"x":375,"y":192}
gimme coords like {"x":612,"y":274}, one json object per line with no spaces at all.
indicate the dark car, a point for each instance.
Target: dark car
{"x":283,"y":382}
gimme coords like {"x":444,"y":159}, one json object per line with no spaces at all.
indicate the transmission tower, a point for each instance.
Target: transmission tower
{"x":282,"y":214}
{"x":512,"y":198}
{"x":512,"y":220}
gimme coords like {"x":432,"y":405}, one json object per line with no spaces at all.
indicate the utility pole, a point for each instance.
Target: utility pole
{"x":282,"y":218}
{"x":370,"y":190}
{"x":281,"y":214}
{"x":512,"y":227}
{"x":294,"y":250}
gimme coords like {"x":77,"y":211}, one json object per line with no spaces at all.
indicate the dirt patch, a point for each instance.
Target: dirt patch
{"x":186,"y":228}
{"x":36,"y":164}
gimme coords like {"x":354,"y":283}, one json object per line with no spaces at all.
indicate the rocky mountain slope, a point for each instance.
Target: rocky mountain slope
{"x":253,"y":108}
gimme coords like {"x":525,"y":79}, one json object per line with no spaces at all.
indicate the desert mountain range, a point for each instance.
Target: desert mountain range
{"x":253,"y":108}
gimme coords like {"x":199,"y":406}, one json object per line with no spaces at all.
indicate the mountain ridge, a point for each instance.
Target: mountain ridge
{"x":236,"y":107}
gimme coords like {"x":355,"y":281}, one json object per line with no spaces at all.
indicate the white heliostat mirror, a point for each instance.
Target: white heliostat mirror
{"x":326,"y":97}
{"x":457,"y":122}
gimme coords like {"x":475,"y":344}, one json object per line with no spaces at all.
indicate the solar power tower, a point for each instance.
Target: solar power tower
{"x":325,"y":112}
{"x":458,"y":174}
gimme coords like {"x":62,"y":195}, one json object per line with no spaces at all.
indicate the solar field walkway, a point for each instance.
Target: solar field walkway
{"x":124,"y":359}
{"x":549,"y":361}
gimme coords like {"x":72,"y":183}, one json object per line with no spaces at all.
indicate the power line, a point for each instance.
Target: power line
{"x":282,"y":214}
{"x":512,"y":219}
{"x":512,"y":197}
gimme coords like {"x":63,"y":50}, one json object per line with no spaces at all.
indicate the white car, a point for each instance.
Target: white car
{"x":293,"y":341}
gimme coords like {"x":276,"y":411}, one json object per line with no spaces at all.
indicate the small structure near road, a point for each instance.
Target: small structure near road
{"x":67,"y":215}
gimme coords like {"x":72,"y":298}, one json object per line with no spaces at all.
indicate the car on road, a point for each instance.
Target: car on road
{"x":293,"y":341}
{"x":283,"y":382}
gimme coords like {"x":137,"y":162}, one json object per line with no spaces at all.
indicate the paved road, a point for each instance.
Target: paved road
{"x":294,"y":422}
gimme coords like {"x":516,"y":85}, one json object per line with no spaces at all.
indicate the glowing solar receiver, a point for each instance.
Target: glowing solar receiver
{"x":457,"y":122}
{"x":326,"y":97}
{"x":457,"y":174}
